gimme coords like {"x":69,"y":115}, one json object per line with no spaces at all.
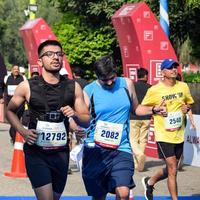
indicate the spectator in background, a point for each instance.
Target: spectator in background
{"x":139,"y":125}
{"x":2,"y":75}
{"x":33,"y":74}
{"x":10,"y":83}
{"x":63,"y":72}
{"x":78,"y":74}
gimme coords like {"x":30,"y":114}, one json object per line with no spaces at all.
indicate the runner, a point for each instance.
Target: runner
{"x":107,"y":157}
{"x":169,"y":131}
{"x":52,"y":100}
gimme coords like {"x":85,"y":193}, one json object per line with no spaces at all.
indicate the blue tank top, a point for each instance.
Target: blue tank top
{"x":110,"y":105}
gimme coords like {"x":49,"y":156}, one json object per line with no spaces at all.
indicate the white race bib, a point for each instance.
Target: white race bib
{"x":11,"y":89}
{"x":51,"y":134}
{"x":108,"y":134}
{"x":173,"y":121}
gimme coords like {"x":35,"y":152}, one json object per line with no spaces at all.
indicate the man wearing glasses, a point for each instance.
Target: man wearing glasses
{"x":169,"y":130}
{"x":52,"y":100}
{"x":107,"y":156}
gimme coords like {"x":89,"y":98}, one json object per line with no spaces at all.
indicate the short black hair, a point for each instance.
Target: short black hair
{"x":78,"y":71}
{"x":35,"y":74}
{"x":104,"y":66}
{"x":142,"y":72}
{"x":47,"y":43}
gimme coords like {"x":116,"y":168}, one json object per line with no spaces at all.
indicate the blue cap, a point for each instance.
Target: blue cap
{"x":167,"y":63}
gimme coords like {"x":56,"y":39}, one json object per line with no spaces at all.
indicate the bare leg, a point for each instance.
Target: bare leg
{"x":122,"y":193}
{"x":46,"y":193}
{"x":158,"y":176}
{"x":171,"y":163}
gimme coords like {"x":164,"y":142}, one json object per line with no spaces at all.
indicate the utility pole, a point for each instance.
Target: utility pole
{"x":32,"y":9}
{"x":164,"y":18}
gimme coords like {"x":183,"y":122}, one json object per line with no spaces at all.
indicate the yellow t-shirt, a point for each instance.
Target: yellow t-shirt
{"x":171,"y":128}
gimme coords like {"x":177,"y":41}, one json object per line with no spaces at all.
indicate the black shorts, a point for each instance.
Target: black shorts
{"x":44,"y":168}
{"x":166,"y":150}
{"x":104,"y":169}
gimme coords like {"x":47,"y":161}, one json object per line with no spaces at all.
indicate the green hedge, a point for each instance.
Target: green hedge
{"x":191,"y":77}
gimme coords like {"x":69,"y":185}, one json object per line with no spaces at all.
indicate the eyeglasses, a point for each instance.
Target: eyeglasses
{"x":107,"y":79}
{"x":173,"y":67}
{"x":51,"y":54}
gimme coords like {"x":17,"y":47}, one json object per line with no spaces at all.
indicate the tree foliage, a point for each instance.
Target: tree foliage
{"x":85,"y":29}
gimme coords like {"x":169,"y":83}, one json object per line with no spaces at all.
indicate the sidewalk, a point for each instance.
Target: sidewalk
{"x":188,"y":179}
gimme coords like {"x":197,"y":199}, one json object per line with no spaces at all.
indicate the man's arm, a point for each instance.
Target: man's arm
{"x":80,"y":112}
{"x":141,"y":109}
{"x":21,"y":95}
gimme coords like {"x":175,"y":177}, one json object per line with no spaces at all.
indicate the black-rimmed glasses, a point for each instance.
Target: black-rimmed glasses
{"x":51,"y":54}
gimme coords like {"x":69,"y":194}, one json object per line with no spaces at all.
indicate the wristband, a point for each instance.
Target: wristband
{"x":153,"y":111}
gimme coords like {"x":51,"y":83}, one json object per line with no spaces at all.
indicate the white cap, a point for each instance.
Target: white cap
{"x":22,"y":70}
{"x":63,"y":71}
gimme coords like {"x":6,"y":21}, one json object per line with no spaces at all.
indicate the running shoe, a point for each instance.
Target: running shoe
{"x":148,"y":189}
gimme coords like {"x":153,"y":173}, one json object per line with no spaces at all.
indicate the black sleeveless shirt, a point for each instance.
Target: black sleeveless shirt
{"x":45,"y":97}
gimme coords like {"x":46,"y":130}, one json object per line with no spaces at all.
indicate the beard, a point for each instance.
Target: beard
{"x":53,"y":71}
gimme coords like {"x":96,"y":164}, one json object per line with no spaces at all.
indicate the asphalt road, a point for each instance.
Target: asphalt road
{"x":188,"y":179}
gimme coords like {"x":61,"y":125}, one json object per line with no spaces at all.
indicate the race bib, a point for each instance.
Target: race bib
{"x":11,"y":89}
{"x":173,"y":121}
{"x":51,"y":134}
{"x":108,"y":134}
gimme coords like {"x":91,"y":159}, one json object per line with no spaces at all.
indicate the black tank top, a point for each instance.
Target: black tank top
{"x":54,"y":95}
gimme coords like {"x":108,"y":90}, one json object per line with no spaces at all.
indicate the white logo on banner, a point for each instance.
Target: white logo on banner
{"x":126,"y":10}
{"x":125,"y":50}
{"x":148,"y":35}
{"x":155,"y":71}
{"x":129,"y":39}
{"x":132,"y":71}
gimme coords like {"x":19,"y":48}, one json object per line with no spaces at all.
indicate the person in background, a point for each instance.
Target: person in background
{"x":169,"y":130}
{"x":63,"y":72}
{"x":33,"y":74}
{"x":53,"y":100}
{"x":10,"y":83}
{"x":139,"y":125}
{"x":78,"y":74}
{"x":107,"y":155}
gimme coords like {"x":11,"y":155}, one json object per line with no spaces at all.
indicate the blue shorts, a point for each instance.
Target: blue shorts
{"x":104,"y":170}
{"x":44,"y":167}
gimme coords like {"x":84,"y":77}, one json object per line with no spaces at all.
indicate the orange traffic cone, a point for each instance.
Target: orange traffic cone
{"x":131,"y":195}
{"x":18,"y":169}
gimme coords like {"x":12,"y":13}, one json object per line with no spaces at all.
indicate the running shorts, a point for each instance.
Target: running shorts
{"x":166,"y":150}
{"x":105,"y":169}
{"x":44,"y":168}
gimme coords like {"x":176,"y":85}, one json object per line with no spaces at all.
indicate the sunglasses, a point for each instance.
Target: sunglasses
{"x":172,"y":67}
